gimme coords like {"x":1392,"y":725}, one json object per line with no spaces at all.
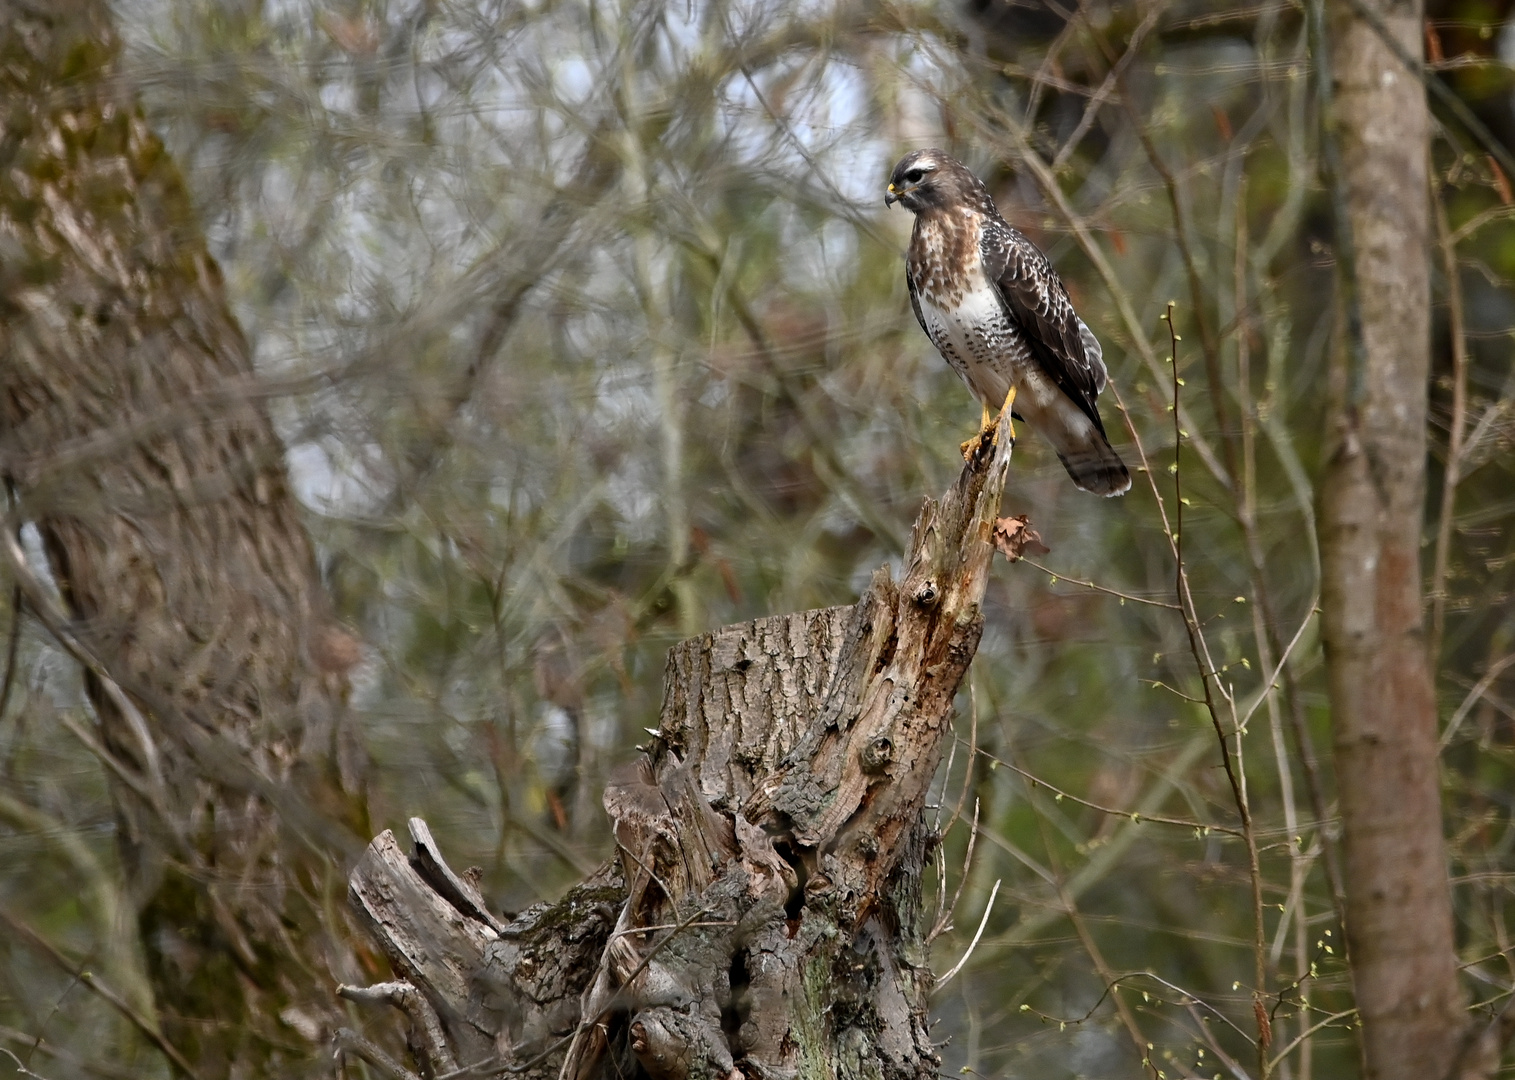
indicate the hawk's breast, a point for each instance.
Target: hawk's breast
{"x":972,"y":330}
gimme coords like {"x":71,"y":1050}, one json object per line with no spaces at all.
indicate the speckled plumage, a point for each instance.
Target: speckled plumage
{"x":998,"y":313}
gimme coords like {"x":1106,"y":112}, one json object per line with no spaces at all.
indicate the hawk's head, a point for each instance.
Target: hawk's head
{"x":933,"y":179}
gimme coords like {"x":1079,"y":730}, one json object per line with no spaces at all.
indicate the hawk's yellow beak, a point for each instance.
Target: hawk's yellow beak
{"x":891,"y":198}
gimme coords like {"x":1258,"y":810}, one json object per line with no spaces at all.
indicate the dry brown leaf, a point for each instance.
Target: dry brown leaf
{"x":1014,"y":537}
{"x":1433,"y":44}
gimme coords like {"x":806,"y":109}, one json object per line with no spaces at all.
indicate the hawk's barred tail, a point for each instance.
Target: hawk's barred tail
{"x":1096,"y":467}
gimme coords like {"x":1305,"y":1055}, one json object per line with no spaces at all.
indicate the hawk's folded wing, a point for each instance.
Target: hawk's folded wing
{"x":1036,"y":299}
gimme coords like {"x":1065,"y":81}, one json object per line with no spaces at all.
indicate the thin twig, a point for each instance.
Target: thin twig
{"x":1264,"y":612}
{"x":1203,"y":662}
{"x":941,"y":798}
{"x":1128,"y":976}
{"x":1215,"y":1048}
{"x":944,"y":910}
{"x":1478,"y":221}
{"x":1479,"y":689}
{"x":1208,"y":343}
{"x":945,"y":979}
{"x":586,"y":1022}
{"x":962,"y":796}
{"x":1046,"y":70}
{"x":1451,"y":473}
{"x":1097,"y":101}
{"x":79,"y":1063}
{"x":20,"y":1068}
{"x":12,"y":648}
{"x":143,"y":1024}
{"x":651,"y":874}
{"x":1311,"y":1030}
{"x":1100,"y":588}
{"x":1283,"y":661}
{"x":1080,"y":927}
{"x":56,"y":623}
{"x":686,"y":925}
{"x":1158,"y":684}
{"x":1103,"y":860}
{"x":1131,"y":815}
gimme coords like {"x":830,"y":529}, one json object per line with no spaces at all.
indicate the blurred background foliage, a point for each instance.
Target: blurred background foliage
{"x":586,"y":328}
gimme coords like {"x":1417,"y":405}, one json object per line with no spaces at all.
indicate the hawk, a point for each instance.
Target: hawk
{"x":998,"y":313}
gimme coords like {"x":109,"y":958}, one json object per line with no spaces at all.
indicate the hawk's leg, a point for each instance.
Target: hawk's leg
{"x":988,"y":422}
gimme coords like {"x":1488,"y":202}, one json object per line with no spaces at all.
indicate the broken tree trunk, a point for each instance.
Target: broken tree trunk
{"x":765,"y":914}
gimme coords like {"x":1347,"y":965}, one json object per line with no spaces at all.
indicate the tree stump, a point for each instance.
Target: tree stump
{"x":764,"y":916}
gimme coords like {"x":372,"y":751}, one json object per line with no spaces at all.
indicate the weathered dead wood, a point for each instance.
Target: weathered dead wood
{"x":764,"y":916}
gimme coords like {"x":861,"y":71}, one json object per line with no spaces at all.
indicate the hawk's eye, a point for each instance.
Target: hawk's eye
{"x":914,"y":175}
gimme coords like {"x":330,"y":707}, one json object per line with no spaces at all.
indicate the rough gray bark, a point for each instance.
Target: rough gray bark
{"x":1383,"y":708}
{"x":764,"y":917}
{"x":136,"y":443}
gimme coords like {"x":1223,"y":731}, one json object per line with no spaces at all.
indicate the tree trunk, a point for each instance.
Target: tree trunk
{"x":766,"y":908}
{"x":1383,"y":707}
{"x":136,"y":444}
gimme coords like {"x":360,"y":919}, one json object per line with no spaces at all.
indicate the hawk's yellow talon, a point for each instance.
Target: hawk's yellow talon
{"x":1004,"y":411}
{"x":988,"y":422}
